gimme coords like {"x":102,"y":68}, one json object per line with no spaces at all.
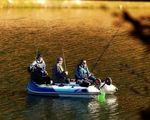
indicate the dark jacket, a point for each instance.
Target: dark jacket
{"x":58,"y":74}
{"x":82,"y":72}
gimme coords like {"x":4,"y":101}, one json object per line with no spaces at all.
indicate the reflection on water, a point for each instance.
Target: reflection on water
{"x":108,"y":108}
{"x":69,"y":108}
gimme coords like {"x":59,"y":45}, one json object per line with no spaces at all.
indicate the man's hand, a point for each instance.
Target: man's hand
{"x":46,"y":72}
{"x":66,"y":72}
{"x":89,"y":74}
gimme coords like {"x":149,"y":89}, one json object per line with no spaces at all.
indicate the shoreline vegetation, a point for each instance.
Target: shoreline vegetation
{"x":73,"y":4}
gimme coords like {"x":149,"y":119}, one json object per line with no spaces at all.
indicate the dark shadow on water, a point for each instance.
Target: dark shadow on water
{"x":145,"y":114}
{"x":35,"y":99}
{"x":41,"y":107}
{"x":140,"y":30}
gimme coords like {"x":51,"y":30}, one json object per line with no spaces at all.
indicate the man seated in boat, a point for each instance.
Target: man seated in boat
{"x":83,"y":76}
{"x":59,"y":75}
{"x":38,"y":71}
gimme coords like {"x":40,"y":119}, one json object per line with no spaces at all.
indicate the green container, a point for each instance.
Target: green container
{"x":101,"y":97}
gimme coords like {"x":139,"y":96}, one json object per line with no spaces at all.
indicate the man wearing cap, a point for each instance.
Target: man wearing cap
{"x":38,"y":71}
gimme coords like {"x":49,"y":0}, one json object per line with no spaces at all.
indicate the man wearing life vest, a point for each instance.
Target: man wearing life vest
{"x":59,"y":75}
{"x":83,"y":76}
{"x":38,"y":71}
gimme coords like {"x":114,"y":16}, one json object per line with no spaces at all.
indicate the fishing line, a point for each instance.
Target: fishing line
{"x":105,"y":49}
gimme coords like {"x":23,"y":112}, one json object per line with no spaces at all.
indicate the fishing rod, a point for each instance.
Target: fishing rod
{"x":104,"y":50}
{"x":63,"y":54}
{"x":65,"y":65}
{"x":36,"y":48}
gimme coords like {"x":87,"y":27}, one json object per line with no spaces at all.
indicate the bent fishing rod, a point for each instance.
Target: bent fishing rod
{"x":105,"y":49}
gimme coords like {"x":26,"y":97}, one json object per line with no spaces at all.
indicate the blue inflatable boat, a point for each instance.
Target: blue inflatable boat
{"x":66,"y":90}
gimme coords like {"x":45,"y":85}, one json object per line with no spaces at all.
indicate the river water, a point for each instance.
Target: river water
{"x":23,"y":30}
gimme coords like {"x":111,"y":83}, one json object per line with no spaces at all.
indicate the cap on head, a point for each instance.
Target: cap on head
{"x":38,"y":56}
{"x":83,"y":61}
{"x":59,"y":59}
